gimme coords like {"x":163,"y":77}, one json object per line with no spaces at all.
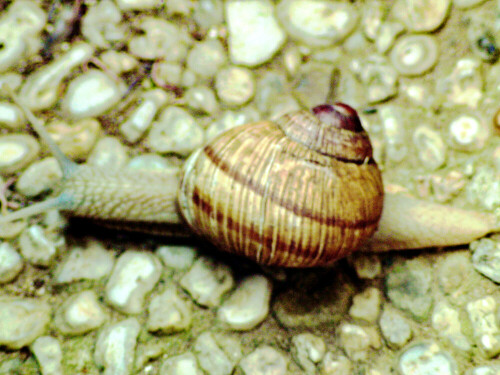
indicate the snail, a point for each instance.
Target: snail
{"x":301,"y":191}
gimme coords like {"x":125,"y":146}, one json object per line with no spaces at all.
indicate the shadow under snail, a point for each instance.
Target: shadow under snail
{"x":301,"y":191}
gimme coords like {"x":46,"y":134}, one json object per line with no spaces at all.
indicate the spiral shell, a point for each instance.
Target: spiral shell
{"x":302,"y":191}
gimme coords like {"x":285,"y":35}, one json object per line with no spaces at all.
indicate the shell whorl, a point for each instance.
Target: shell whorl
{"x":302,"y":191}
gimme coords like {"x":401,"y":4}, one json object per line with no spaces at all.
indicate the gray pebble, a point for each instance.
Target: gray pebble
{"x":217,"y":354}
{"x":425,"y":359}
{"x":167,"y":312}
{"x":394,"y":327}
{"x":177,"y":257}
{"x":486,"y":258}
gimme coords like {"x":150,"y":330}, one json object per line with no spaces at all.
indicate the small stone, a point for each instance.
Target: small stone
{"x":167,"y":74}
{"x":48,"y":353}
{"x":394,"y":327}
{"x":335,"y":365}
{"x":235,"y":85}
{"x":108,"y":153}
{"x":408,"y":287}
{"x":265,"y":360}
{"x":446,"y":322}
{"x":426,"y":358}
{"x":314,"y":83}
{"x":118,"y":62}
{"x":168,"y":313}
{"x":248,"y":305}
{"x":486,"y":258}
{"x":79,"y":314}
{"x":367,"y":266}
{"x":468,"y":132}
{"x":37,"y":247}
{"x":11,"y":263}
{"x":202,"y":98}
{"x":92,"y":94}
{"x":482,"y":315}
{"x":357,"y":340}
{"x":366,"y":305}
{"x":91,"y":263}
{"x":208,"y":13}
{"x":177,"y":257}
{"x":317,"y":23}
{"x":206,"y":57}
{"x":135,"y":274}
{"x":207,"y":281}
{"x":454,"y":273}
{"x":484,"y":370}
{"x":431,"y":149}
{"x":154,"y":162}
{"x":115,"y":347}
{"x":175,"y":131}
{"x":16,"y":152}
{"x":387,"y":34}
{"x":308,"y":351}
{"x":183,"y":364}
{"x":22,"y":320}
{"x":11,"y":116}
{"x":484,"y":188}
{"x":127,"y":5}
{"x":396,"y":143}
{"x":102,"y":26}
{"x":39,"y":177}
{"x":414,"y":55}
{"x":249,"y":23}
{"x":422,"y":15}
{"x":217,"y":354}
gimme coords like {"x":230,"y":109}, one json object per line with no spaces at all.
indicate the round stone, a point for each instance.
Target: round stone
{"x":206,"y":57}
{"x":11,"y":263}
{"x":39,"y":177}
{"x":413,"y":55}
{"x":16,"y":152}
{"x":11,"y":116}
{"x":426,"y":358}
{"x":468,"y":132}
{"x":235,"y":85}
{"x":431,"y":149}
{"x":264,"y":360}
{"x":422,"y":15}
{"x":37,"y":246}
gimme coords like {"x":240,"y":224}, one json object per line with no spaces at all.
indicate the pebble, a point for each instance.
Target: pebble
{"x":135,"y":274}
{"x":235,"y":85}
{"x":207,"y":280}
{"x":468,"y":132}
{"x":367,"y":266}
{"x":153,"y":162}
{"x":426,"y":358}
{"x":454,"y":273}
{"x":177,"y":257}
{"x":206,"y":57}
{"x":357,"y":341}
{"x":486,"y":258}
{"x":265,"y":360}
{"x":11,"y":263}
{"x":208,"y":13}
{"x":80,"y":313}
{"x":142,"y":116}
{"x":108,"y":153}
{"x":447,"y":323}
{"x":92,"y":94}
{"x":394,"y":327}
{"x":22,"y":320}
{"x":217,"y":354}
{"x":333,"y":364}
{"x":202,"y":99}
{"x":102,"y":26}
{"x":16,"y":152}
{"x":408,"y":287}
{"x":481,"y":36}
{"x":38,"y":246}
{"x":423,"y":15}
{"x":166,"y":74}
{"x":366,"y":305}
{"x":387,"y":34}
{"x":317,"y":23}
{"x":248,"y":305}
{"x":395,"y":136}
{"x":11,"y":116}
{"x":414,"y":54}
{"x":484,"y":188}
{"x":484,"y":370}
{"x":40,"y":177}
{"x":118,"y":62}
{"x":176,"y":131}
{"x":249,"y":23}
{"x":168,"y":313}
{"x":373,"y":17}
{"x":183,"y":364}
{"x":308,"y":350}
{"x":48,"y":353}
{"x":90,"y":263}
{"x":159,"y":39}
{"x":115,"y":347}
{"x":431,"y":149}
{"x":314,"y":83}
{"x":482,"y":314}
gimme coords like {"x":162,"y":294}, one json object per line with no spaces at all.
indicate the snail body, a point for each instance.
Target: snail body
{"x":301,"y":191}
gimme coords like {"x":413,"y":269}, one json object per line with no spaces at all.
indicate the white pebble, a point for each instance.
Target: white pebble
{"x":206,"y":57}
{"x":10,"y":81}
{"x":254,"y":34}
{"x":468,"y":132}
{"x":183,"y":364}
{"x":37,"y":247}
{"x":80,"y":313}
{"x":217,"y":354}
{"x":317,"y":23}
{"x":22,"y":320}
{"x":202,"y":98}
{"x":91,"y":263}
{"x":153,"y":162}
{"x":265,"y":360}
{"x":235,"y":85}
{"x":139,"y":4}
{"x":115,"y":347}
{"x":426,"y":358}
{"x":207,"y":281}
{"x":422,"y":15}
{"x":48,"y":353}
{"x":168,"y":313}
{"x":11,"y":116}
{"x":176,"y":131}
{"x":394,"y":327}
{"x":118,"y":62}
{"x":248,"y":305}
{"x":92,"y":94}
{"x":39,"y":177}
{"x":431,"y":149}
{"x":308,"y":350}
{"x":208,"y":13}
{"x":41,"y":89}
{"x":335,"y":365}
{"x":177,"y":257}
{"x":482,"y":315}
{"x":134,"y":276}
{"x":413,"y":55}
{"x":366,"y":305}
{"x":357,"y":340}
{"x":17,"y":151}
{"x":101,"y":24}
{"x":109,"y":153}
{"x":11,"y":263}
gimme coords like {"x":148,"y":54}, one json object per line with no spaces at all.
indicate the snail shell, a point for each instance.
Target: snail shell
{"x":301,"y":191}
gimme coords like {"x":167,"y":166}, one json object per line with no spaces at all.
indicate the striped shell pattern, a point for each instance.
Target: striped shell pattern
{"x":301,"y":191}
